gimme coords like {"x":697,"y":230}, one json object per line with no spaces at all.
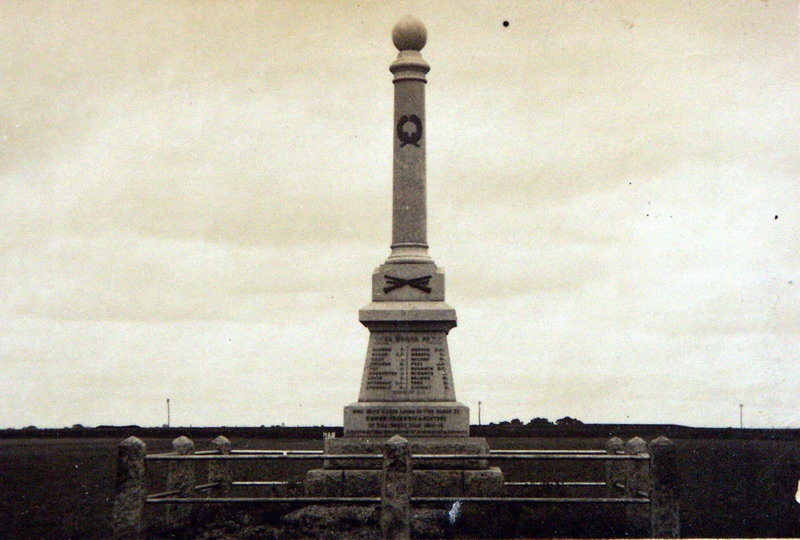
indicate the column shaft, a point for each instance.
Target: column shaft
{"x":409,"y":214}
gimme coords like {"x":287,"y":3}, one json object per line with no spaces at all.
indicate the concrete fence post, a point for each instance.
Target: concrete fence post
{"x":130,"y":489}
{"x":664,"y":505}
{"x":615,"y":470}
{"x":636,"y":486}
{"x":180,"y":477}
{"x":396,"y":490}
{"x":220,"y":471}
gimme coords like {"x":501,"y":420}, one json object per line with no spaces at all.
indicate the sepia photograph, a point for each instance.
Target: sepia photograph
{"x":325,"y":269}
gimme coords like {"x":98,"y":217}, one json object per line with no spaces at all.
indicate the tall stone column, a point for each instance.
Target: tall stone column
{"x":407,"y":386}
{"x":409,"y":214}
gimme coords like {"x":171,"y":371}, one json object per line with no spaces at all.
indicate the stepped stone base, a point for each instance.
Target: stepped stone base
{"x":439,"y":445}
{"x":342,"y":477}
{"x":426,"y":483}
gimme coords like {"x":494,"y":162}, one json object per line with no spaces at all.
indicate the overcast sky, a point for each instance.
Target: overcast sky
{"x":193,"y":196}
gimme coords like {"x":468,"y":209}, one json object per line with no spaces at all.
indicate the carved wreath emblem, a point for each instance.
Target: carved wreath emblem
{"x":407,"y":137}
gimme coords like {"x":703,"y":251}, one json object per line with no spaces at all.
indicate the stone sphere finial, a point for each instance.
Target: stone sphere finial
{"x":409,"y":34}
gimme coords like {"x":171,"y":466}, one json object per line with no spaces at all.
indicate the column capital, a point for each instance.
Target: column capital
{"x":409,"y":65}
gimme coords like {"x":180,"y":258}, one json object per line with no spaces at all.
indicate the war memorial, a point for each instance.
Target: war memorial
{"x":407,"y":386}
{"x":406,"y":439}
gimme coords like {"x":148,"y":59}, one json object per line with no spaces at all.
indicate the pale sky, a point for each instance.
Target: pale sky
{"x":193,"y":196}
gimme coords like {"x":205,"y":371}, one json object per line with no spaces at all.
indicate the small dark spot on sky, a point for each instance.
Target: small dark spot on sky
{"x":776,"y":217}
{"x":505,"y":23}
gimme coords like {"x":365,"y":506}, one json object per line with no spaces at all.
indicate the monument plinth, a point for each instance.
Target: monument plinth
{"x":407,"y":385}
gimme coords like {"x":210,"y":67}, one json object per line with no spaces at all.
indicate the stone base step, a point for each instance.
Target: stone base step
{"x":426,"y":483}
{"x":354,"y":445}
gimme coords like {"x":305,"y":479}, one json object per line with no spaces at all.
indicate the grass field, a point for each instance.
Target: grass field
{"x":63,"y":488}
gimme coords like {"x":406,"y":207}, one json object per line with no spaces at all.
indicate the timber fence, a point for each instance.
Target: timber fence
{"x":642,"y":477}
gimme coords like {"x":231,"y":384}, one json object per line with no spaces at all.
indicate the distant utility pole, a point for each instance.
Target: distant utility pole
{"x":741,"y":422}
{"x":167,"y":412}
{"x":479,"y":412}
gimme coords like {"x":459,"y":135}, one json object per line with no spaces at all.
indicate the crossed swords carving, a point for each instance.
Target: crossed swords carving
{"x":420,"y":283}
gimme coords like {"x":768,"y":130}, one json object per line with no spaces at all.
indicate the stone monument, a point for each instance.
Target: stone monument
{"x":407,"y":385}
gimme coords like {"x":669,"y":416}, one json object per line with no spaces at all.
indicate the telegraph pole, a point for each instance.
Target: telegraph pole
{"x":479,"y":412}
{"x":741,"y":422}
{"x":167,"y":412}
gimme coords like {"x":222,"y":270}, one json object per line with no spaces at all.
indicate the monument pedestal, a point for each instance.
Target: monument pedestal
{"x":407,"y":389}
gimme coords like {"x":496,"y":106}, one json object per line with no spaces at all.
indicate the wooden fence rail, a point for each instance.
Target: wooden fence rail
{"x":642,"y":477}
